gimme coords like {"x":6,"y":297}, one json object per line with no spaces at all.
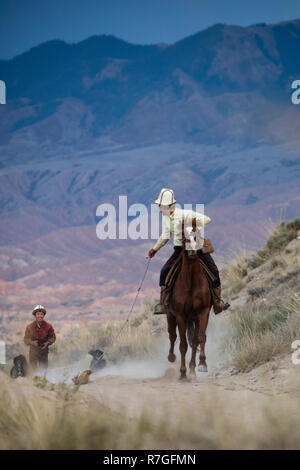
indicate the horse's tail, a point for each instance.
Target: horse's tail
{"x":190,"y":331}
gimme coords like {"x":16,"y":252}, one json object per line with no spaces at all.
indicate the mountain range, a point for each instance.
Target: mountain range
{"x":209,"y":116}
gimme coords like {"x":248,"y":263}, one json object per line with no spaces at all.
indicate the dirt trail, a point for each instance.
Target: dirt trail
{"x":219,"y":409}
{"x":216,"y":395}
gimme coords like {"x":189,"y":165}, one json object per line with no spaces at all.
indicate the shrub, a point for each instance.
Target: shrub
{"x":234,"y":275}
{"x":256,"y":335}
{"x":279,"y":239}
{"x":256,"y":292}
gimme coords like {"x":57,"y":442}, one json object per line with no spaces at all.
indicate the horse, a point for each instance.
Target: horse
{"x":188,"y":309}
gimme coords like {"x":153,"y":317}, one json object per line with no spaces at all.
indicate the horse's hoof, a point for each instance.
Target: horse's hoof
{"x":183,"y":379}
{"x":202,"y":368}
{"x":171,"y":357}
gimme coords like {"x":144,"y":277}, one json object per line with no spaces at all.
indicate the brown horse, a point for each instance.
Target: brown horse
{"x":189,"y":308}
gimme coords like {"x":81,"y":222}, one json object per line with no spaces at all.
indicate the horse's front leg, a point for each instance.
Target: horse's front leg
{"x":172,"y":336}
{"x":192,"y":364}
{"x":182,"y":347}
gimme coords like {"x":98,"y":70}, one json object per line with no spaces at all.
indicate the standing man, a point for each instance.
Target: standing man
{"x":39,"y":335}
{"x":172,"y":226}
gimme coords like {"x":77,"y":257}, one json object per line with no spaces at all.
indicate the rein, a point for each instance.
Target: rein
{"x":133,"y":303}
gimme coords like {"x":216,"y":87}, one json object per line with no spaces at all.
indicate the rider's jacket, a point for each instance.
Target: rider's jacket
{"x":172,"y":226}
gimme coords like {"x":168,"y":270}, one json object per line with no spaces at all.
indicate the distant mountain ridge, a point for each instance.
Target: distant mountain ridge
{"x":236,"y":67}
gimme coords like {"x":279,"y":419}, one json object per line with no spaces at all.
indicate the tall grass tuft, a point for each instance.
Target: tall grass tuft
{"x":33,"y":419}
{"x":256,"y":334}
{"x":62,"y":420}
{"x":277,"y":241}
{"x":234,"y":275}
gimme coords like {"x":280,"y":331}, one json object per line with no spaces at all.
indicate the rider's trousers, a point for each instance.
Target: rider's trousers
{"x":207,"y":258}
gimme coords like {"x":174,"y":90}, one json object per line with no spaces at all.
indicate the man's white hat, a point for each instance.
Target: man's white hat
{"x":166,"y":197}
{"x":38,"y":308}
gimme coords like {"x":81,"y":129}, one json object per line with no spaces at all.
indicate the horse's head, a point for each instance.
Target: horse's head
{"x":189,"y":241}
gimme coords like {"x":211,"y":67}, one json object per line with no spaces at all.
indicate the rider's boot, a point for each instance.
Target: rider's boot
{"x":160,"y":308}
{"x":218,"y":304}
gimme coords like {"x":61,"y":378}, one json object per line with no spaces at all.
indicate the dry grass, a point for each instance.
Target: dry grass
{"x":35,"y":419}
{"x":237,"y":273}
{"x":31,"y":418}
{"x":278,"y":263}
{"x":269,"y":321}
{"x":277,"y":241}
{"x":256,"y":335}
{"x":234,"y":275}
{"x":137,"y":337}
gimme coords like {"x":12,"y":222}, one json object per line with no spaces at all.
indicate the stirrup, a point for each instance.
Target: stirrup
{"x":157,"y":310}
{"x":223,"y":306}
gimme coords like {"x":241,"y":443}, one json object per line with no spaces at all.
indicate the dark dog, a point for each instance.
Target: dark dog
{"x":97,"y":362}
{"x":20,"y":367}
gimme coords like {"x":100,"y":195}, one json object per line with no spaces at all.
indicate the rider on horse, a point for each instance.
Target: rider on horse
{"x":172,"y":226}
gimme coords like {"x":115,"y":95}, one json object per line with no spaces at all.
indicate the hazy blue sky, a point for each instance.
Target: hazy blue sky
{"x":26,"y":23}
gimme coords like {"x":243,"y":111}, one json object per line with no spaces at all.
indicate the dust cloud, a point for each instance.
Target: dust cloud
{"x":153,"y":366}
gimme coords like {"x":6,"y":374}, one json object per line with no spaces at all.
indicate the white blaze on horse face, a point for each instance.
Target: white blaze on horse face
{"x":192,"y":244}
{"x":194,"y":239}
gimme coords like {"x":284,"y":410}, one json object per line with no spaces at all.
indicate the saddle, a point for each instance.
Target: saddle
{"x":173,"y":274}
